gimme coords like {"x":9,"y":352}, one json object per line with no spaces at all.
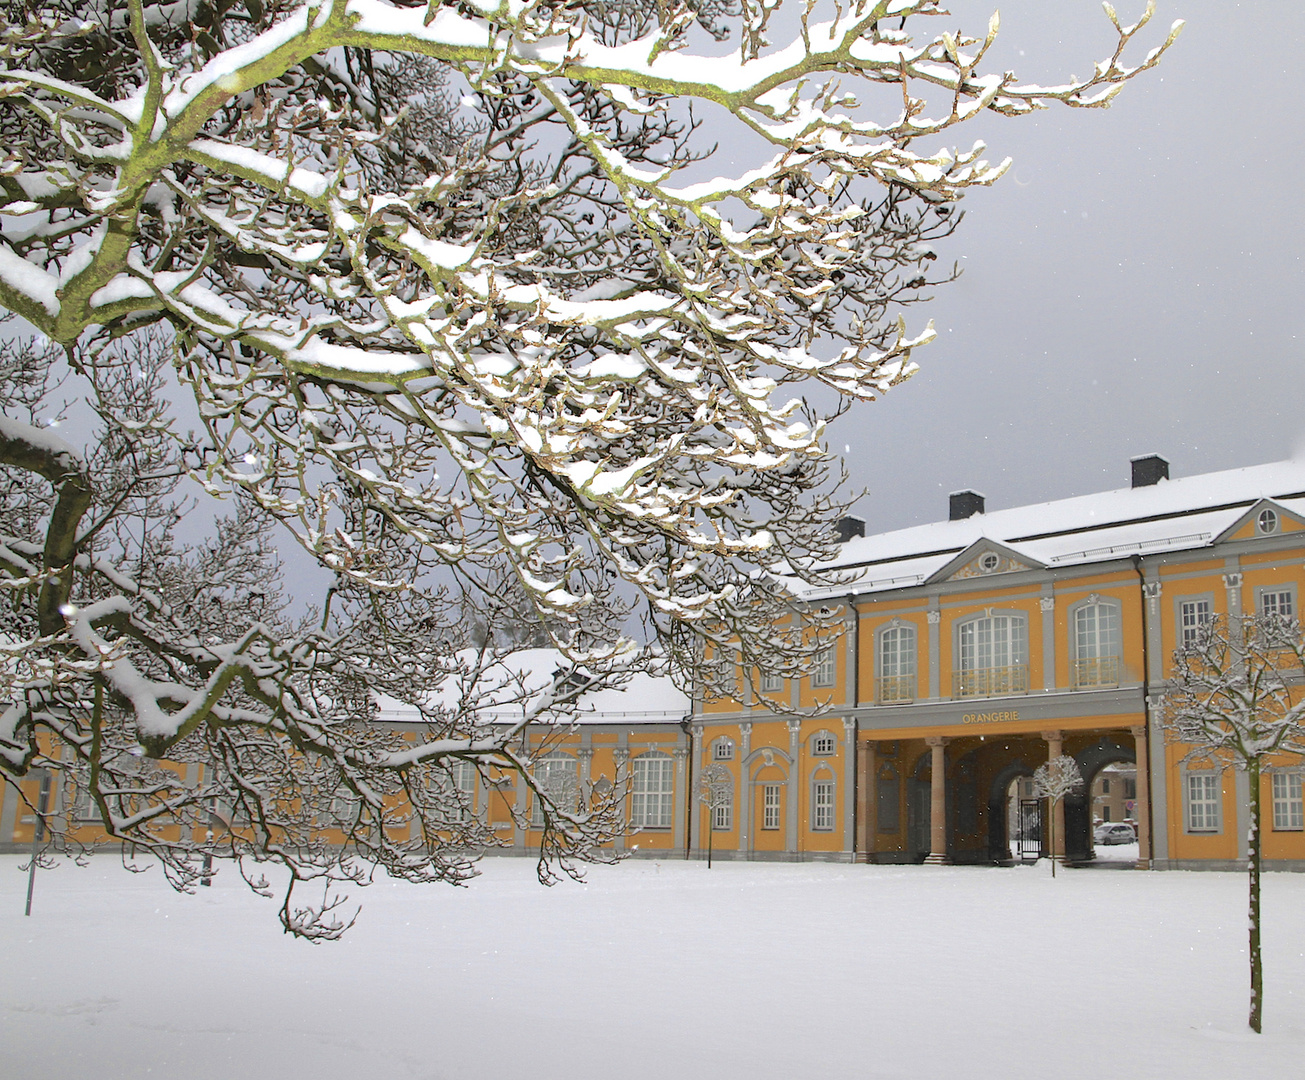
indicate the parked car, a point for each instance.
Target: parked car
{"x":1119,"y":832}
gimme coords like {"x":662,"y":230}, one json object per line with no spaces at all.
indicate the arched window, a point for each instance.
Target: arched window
{"x":896,"y":665}
{"x":822,"y":801}
{"x":1097,"y":645}
{"x":556,"y":773}
{"x":994,"y":656}
{"x":652,"y":791}
{"x":823,"y":744}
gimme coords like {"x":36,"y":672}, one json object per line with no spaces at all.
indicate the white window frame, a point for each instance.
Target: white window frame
{"x":824,"y":673}
{"x":1203,"y":801}
{"x":652,"y":790}
{"x":1190,"y":614}
{"x":722,"y":810}
{"x":822,"y":804}
{"x":1288,"y":804}
{"x":722,"y":749}
{"x":558,"y":773}
{"x":1286,"y":589}
{"x":771,"y":683}
{"x":896,"y":657}
{"x":824,"y":743}
{"x":1013,"y":626}
{"x":1096,"y":634}
{"x":1267,"y":522}
{"x":771,"y":806}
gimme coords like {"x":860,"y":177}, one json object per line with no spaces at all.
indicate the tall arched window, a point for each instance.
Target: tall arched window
{"x":994,"y":656}
{"x":896,"y":664}
{"x":1097,"y":645}
{"x":652,"y":791}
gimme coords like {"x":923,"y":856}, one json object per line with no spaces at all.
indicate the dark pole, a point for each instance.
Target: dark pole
{"x":38,"y":834}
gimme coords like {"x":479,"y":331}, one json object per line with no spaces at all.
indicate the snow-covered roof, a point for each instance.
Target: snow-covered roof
{"x":1171,"y":515}
{"x":508,"y":686}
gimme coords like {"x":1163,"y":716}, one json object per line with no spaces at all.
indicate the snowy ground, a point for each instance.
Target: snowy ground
{"x":657,"y":970}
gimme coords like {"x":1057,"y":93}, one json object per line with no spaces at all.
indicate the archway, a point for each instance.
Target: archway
{"x":1000,"y":794}
{"x":1078,"y":807}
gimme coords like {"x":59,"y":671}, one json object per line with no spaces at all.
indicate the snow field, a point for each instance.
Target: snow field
{"x":657,"y":969}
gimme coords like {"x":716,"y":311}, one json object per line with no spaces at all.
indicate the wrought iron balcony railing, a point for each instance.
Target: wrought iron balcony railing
{"x":894,"y":689}
{"x":991,"y":682}
{"x":1095,"y":671}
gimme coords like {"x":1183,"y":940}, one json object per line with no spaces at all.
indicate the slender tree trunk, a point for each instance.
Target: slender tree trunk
{"x":1253,"y":851}
{"x":1051,"y":834}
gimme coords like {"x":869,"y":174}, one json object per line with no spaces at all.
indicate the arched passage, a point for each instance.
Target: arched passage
{"x":999,"y":837}
{"x":1107,"y":750}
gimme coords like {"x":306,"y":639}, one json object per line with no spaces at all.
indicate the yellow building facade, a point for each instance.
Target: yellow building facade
{"x":977,"y":648}
{"x":974,"y":649}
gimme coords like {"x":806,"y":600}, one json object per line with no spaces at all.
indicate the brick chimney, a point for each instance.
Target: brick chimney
{"x":848,"y":527}
{"x":964,"y":504}
{"x":1149,"y":470}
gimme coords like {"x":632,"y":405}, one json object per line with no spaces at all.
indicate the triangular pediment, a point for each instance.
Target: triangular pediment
{"x":1263,"y":520}
{"x":984,"y":558}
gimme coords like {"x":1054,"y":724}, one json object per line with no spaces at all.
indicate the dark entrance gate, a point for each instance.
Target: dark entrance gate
{"x":1028,"y":841}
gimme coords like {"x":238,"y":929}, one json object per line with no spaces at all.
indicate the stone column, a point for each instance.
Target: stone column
{"x":745,"y":791}
{"x":1143,"y":801}
{"x":867,"y":802}
{"x":1232,"y":583}
{"x":620,"y":762}
{"x":937,"y":799}
{"x":1056,"y":747}
{"x":695,"y":805}
{"x":1047,"y":605}
{"x":677,"y":814}
{"x":849,"y":787}
{"x":934,"y":618}
{"x":791,"y":817}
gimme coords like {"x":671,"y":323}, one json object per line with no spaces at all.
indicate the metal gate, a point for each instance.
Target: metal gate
{"x":1028,"y":844}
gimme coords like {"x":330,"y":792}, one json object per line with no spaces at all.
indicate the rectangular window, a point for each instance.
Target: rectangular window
{"x":823,"y":672}
{"x":1277,"y":602}
{"x":1202,"y":802}
{"x":1288,"y":810}
{"x":653,"y":792}
{"x":1192,"y":615}
{"x":822,"y":805}
{"x":557,"y":775}
{"x":771,"y":684}
{"x":1105,"y":786}
{"x":722,"y":750}
{"x":722,"y":812}
{"x":770,"y":807}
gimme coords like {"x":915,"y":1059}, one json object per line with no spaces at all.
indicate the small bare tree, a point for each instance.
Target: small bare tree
{"x":715,"y":788}
{"x":1053,"y":781}
{"x":1234,"y":701}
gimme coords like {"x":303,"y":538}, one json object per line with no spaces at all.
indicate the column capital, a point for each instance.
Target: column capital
{"x":794,"y":728}
{"x":1152,"y":590}
{"x":696,"y":730}
{"x":620,"y":755}
{"x":934,"y":617}
{"x":1047,"y":603}
{"x":585,"y":753}
{"x":1232,"y":581}
{"x":680,"y":753}
{"x":1054,"y":736}
{"x":849,"y":725}
{"x":936,"y":740}
{"x":1139,"y":732}
{"x":745,"y":728}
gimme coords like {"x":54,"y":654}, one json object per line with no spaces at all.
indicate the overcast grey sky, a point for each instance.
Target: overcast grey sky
{"x":1132,"y":285}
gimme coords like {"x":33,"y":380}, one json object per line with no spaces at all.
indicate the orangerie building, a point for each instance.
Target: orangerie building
{"x":974,"y":649}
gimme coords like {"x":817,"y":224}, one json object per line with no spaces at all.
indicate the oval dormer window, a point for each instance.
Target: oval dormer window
{"x":989,"y":562}
{"x":1267,"y":522}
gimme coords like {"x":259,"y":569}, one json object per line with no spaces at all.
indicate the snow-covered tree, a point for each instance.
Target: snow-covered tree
{"x":459,"y":298}
{"x":1235,"y":700}
{"x":1053,"y":780}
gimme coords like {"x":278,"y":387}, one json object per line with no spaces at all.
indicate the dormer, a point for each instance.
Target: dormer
{"x":984,"y":558}
{"x":1265,"y":519}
